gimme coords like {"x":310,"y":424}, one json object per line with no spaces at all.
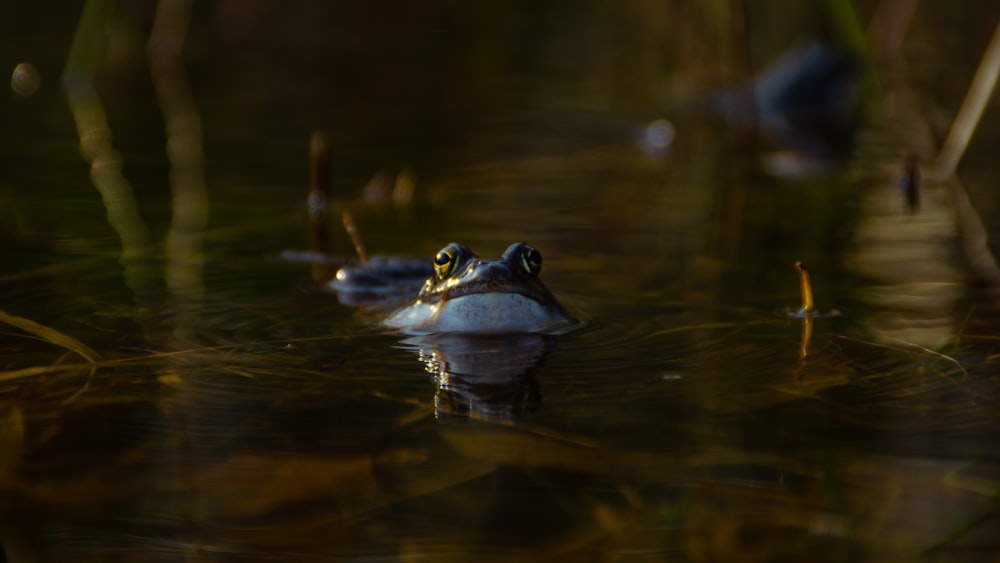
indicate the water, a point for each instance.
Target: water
{"x":198,"y":398}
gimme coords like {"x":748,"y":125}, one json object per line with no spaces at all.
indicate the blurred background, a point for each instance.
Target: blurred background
{"x":178,"y":384}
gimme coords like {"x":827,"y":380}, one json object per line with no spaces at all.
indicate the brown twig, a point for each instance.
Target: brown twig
{"x":352,"y":231}
{"x":910,"y":184}
{"x":807,"y":293}
{"x":317,"y":202}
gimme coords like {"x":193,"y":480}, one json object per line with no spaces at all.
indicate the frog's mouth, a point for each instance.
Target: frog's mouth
{"x":484,"y":296}
{"x":485,"y":277}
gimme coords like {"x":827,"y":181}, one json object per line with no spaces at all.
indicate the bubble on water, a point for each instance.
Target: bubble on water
{"x":656,"y":137}
{"x":25,"y":80}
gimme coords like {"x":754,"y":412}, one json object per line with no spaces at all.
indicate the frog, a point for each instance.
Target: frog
{"x":472,"y":295}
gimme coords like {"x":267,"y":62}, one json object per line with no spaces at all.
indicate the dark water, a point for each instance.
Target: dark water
{"x":173,"y":390}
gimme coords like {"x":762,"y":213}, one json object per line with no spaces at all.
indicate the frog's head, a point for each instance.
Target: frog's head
{"x":483,"y":295}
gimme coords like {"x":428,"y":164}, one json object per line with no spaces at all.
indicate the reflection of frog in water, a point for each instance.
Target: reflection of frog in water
{"x":467,"y":294}
{"x":482,"y":376}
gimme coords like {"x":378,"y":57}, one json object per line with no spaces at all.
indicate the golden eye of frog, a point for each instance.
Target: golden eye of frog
{"x":479,"y":295}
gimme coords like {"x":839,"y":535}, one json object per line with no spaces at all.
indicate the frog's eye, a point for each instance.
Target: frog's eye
{"x":445,"y":261}
{"x":531,"y":259}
